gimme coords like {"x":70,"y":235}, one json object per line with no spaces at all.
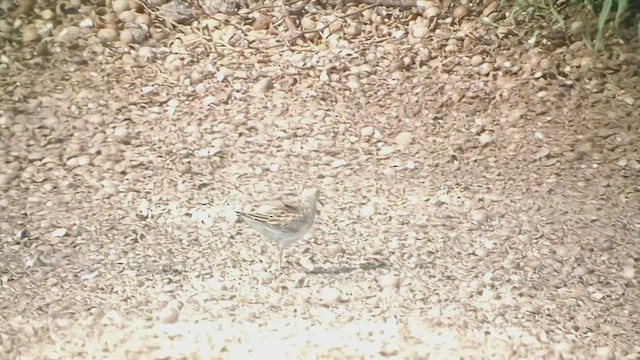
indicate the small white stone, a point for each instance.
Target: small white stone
{"x":169,"y":315}
{"x":307,"y":263}
{"x":120,"y":6}
{"x":84,"y":160}
{"x":210,"y":100}
{"x":538,"y":136}
{"x":143,"y":208}
{"x":404,"y":139}
{"x":485,"y":139}
{"x":478,"y":217}
{"x":147,"y":90}
{"x":629,"y":271}
{"x":386,"y":150}
{"x":120,"y":132}
{"x":329,"y":295}
{"x":604,"y":351}
{"x":628,"y":99}
{"x":542,"y":153}
{"x":262,"y":86}
{"x":60,"y":232}
{"x":419,"y":31}
{"x":367,"y":131}
{"x":389,"y":281}
{"x":367,"y":210}
{"x":432,"y":12}
{"x":85,"y":23}
{"x":206,"y":152}
{"x":338,"y":163}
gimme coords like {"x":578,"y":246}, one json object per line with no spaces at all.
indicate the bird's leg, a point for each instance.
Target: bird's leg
{"x":280,"y":250}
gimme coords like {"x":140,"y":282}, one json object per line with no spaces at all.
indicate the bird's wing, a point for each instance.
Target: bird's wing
{"x":293,"y":208}
{"x":285,"y":218}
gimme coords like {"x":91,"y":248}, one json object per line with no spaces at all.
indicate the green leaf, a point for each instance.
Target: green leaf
{"x":589,"y":4}
{"x":602,"y":19}
{"x":557,"y":16}
{"x":622,"y":8}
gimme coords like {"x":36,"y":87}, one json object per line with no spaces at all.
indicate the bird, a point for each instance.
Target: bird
{"x":287,"y":223}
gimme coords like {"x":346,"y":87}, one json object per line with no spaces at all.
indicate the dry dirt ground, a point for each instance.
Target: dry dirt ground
{"x":481,"y":200}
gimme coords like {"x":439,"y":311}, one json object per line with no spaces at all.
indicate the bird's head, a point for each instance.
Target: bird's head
{"x":310,"y":197}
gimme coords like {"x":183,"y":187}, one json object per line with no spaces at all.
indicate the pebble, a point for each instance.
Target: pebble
{"x":404,"y":139}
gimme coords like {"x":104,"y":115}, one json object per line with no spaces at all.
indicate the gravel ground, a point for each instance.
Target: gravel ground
{"x":480,"y":197}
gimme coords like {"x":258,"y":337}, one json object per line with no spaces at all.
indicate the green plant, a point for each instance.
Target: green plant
{"x":623,"y":5}
{"x":557,"y":10}
{"x":531,"y":9}
{"x":602,"y":21}
{"x":555,"y":14}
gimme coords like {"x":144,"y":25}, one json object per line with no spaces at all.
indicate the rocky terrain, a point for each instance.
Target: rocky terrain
{"x":479,"y":180}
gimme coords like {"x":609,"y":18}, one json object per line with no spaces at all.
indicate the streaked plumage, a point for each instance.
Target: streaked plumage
{"x":287,"y":223}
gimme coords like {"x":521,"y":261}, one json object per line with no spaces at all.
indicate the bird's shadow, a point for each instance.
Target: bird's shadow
{"x":367,"y":266}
